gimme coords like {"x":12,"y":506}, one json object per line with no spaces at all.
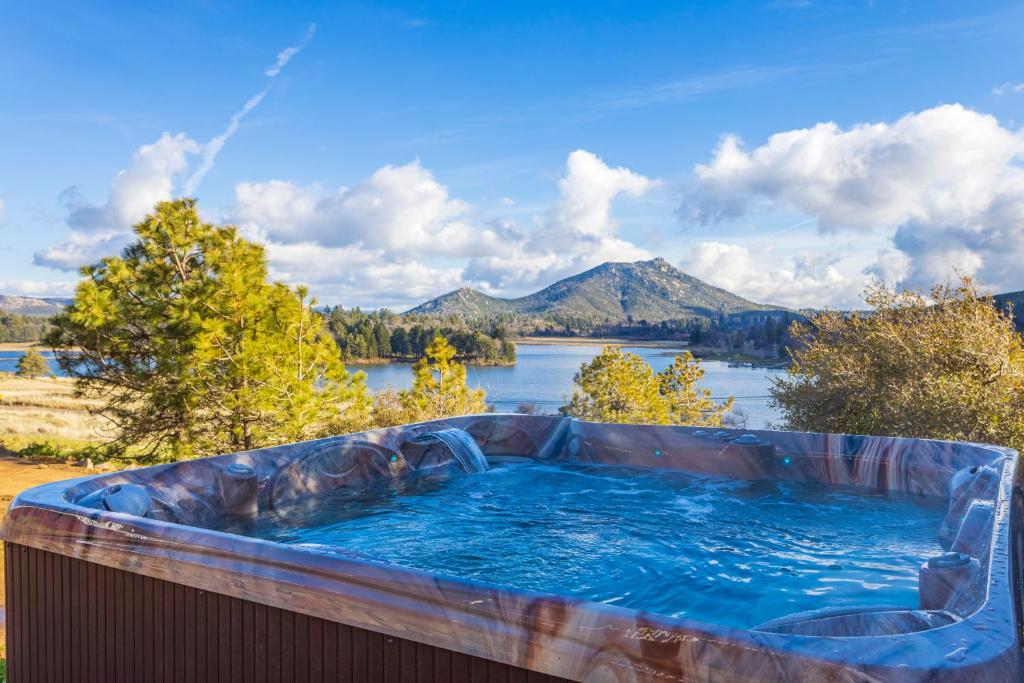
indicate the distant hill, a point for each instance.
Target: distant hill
{"x":468,"y":303}
{"x":1012,"y":301}
{"x":645,"y":290}
{"x":1015,"y":299}
{"x":30,"y":305}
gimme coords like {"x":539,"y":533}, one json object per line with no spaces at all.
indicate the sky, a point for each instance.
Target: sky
{"x":789,"y":151}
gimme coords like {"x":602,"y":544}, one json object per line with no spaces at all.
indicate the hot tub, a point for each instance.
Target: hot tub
{"x":528,"y":548}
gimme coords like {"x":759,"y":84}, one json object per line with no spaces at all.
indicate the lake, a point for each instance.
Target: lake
{"x":543,"y":376}
{"x":9,"y":361}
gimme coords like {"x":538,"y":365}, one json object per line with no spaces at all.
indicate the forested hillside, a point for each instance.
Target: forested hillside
{"x":382,"y":335}
{"x":22,"y":328}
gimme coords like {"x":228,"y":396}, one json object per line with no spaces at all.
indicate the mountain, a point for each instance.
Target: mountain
{"x":645,"y":290}
{"x":1014,"y":299}
{"x":468,"y":303}
{"x":30,"y":305}
{"x":1013,"y":302}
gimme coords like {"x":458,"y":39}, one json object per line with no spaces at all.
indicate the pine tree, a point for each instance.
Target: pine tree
{"x":621,"y":387}
{"x":687,"y":402}
{"x":439,"y":386}
{"x":32,"y":364}
{"x":193,"y":352}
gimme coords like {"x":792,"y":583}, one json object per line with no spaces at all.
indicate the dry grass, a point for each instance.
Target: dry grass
{"x":27,"y":422}
{"x":21,"y":346}
{"x":46,"y":392}
{"x":45,"y":409}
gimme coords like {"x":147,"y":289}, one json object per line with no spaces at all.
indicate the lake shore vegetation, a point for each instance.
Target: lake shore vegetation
{"x":948,"y":364}
{"x":618,"y":386}
{"x":384,"y":336}
{"x":438,"y":390}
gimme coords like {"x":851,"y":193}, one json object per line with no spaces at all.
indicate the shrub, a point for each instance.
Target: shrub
{"x":622,"y":387}
{"x":946,"y":366}
{"x":32,"y":364}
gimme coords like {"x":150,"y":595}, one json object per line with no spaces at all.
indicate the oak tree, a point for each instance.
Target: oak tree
{"x":946,"y":365}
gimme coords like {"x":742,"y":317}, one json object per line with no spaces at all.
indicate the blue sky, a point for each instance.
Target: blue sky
{"x":785,"y":150}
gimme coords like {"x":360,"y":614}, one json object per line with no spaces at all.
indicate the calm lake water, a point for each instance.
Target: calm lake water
{"x":9,"y":361}
{"x":543,"y":376}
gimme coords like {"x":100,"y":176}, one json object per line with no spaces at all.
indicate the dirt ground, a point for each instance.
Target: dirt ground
{"x":16,"y":475}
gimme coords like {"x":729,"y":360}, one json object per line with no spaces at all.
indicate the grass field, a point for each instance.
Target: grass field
{"x":45,"y":411}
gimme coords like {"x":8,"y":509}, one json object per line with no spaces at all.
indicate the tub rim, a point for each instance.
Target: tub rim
{"x":482,"y":619}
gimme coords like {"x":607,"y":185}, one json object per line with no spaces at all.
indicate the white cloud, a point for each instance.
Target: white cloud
{"x":134,"y":190}
{"x":352,"y":275}
{"x":388,"y":239}
{"x":578,"y":232}
{"x":36,"y":288}
{"x":397,"y":236}
{"x":945,"y":182}
{"x":402,"y":209}
{"x":891,"y":266}
{"x":587,"y":191}
{"x":528,"y":267}
{"x":101,"y":229}
{"x":376,"y":239}
{"x":1006,"y":88}
{"x":394,"y":236}
{"x":801,"y":281}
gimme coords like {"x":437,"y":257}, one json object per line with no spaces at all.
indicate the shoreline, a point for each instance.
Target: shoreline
{"x":669,"y":344}
{"x":22,"y":346}
{"x":666,"y":344}
{"x":601,"y":341}
{"x":373,"y":362}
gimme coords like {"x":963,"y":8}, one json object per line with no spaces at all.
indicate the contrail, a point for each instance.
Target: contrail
{"x":288,"y":53}
{"x":213,"y":147}
{"x":792,"y":227}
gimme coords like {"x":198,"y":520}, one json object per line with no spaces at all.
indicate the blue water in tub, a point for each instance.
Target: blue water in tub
{"x":723,"y":551}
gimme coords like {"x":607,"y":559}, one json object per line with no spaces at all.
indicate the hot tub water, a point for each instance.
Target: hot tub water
{"x":729,"y":552}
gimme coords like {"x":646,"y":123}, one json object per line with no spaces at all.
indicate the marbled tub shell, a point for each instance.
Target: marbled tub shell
{"x":967,"y":630}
